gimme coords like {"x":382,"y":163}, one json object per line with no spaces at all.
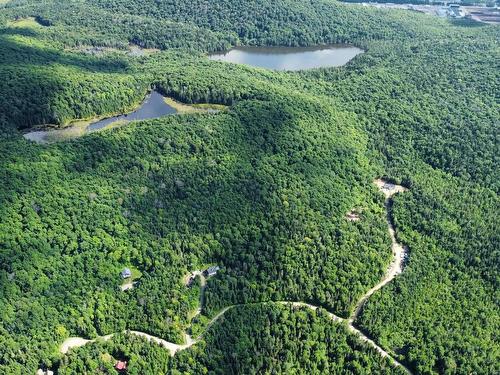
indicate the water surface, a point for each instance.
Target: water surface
{"x":290,"y":58}
{"x":154,"y":106}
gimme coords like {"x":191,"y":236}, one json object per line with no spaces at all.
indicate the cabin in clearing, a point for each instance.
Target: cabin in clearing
{"x":211,"y":271}
{"x":126,"y":273}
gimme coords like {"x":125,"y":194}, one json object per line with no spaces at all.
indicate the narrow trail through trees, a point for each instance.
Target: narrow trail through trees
{"x":399,"y":253}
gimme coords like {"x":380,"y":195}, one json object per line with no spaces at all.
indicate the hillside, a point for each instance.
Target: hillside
{"x":261,"y":188}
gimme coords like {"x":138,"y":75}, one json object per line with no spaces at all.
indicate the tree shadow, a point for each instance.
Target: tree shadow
{"x":466,"y":22}
{"x":15,"y":52}
{"x":37,"y":76}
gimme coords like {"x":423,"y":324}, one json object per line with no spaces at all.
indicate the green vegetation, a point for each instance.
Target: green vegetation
{"x":261,"y":189}
{"x":250,"y":340}
{"x":454,"y":248}
{"x":182,"y":108}
{"x":49,"y":86}
{"x":156,"y":211}
{"x":136,"y":274}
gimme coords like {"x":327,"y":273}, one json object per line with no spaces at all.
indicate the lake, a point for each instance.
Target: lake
{"x":153,"y":106}
{"x":290,"y":58}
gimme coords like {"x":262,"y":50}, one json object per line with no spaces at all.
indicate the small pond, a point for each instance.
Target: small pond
{"x":290,"y":58}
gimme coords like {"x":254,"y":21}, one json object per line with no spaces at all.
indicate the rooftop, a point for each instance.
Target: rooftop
{"x":126,"y":273}
{"x":121,"y":365}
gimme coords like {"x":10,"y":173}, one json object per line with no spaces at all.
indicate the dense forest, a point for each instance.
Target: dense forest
{"x":252,"y":339}
{"x":262,"y":190}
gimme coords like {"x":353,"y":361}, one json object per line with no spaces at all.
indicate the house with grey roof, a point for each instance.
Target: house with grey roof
{"x":126,"y":273}
{"x":211,"y":271}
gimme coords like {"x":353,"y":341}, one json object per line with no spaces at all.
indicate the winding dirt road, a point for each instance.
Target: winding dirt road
{"x":399,"y":253}
{"x":76,"y":342}
{"x":396,"y":267}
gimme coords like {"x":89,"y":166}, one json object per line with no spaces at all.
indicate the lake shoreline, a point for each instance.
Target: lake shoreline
{"x":289,"y":59}
{"x":154,"y":105}
{"x":50,"y":133}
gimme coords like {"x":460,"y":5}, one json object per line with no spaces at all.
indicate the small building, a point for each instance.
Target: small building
{"x":121,"y":366}
{"x":126,"y":273}
{"x":456,"y":11}
{"x":211,"y":271}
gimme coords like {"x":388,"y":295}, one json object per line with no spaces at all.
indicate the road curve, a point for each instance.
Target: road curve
{"x":396,"y":267}
{"x":76,"y":342}
{"x":399,"y":253}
